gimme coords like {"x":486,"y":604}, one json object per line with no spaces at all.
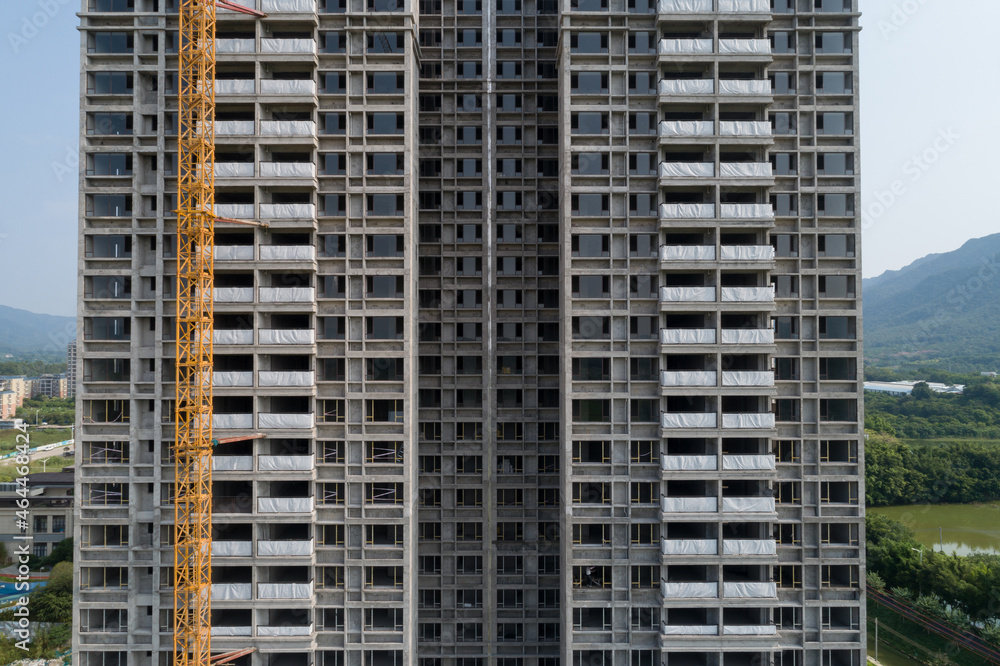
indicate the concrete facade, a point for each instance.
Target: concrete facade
{"x":51,"y":512}
{"x":554,"y":333}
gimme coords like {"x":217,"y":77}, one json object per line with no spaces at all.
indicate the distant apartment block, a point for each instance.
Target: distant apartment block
{"x":51,"y":520}
{"x":53,"y":386}
{"x":19,"y":385}
{"x":71,"y":370}
{"x":8,"y":404}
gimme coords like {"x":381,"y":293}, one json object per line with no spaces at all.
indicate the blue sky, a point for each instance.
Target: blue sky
{"x":929,"y":94}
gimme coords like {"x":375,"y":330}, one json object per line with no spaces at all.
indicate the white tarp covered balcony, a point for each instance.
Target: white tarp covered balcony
{"x":688,"y":420}
{"x":687,"y":378}
{"x":687,"y":336}
{"x":749,"y":547}
{"x":747,"y":211}
{"x":233,"y":294}
{"x":284,"y":590}
{"x":233,"y":253}
{"x":234,"y":87}
{"x":232,"y":421}
{"x":278,"y":336}
{"x":689,"y":546}
{"x":689,"y":590}
{"x":747,"y":378}
{"x":237,"y":211}
{"x":232,"y":591}
{"x":685,"y":87}
{"x":762,"y":462}
{"x":687,"y":294}
{"x":744,"y":169}
{"x":232,"y":463}
{"x":275,"y":6}
{"x":689,"y":629}
{"x":235,"y":46}
{"x":285,"y":631}
{"x":270,"y":45}
{"x":290,"y":252}
{"x":688,"y":463}
{"x":687,"y":252}
{"x":744,"y":128}
{"x":232,"y":548}
{"x":749,"y":630}
{"x":231,"y":631}
{"x":748,"y":6}
{"x":747,"y":336}
{"x":285,"y":463}
{"x":689,"y":504}
{"x":687,"y":169}
{"x":744,"y":87}
{"x":234,"y":169}
{"x":234,"y":128}
{"x":687,"y":211}
{"x":687,"y":128}
{"x":287,"y":211}
{"x":287,"y":128}
{"x":746,"y":252}
{"x":227,"y":379}
{"x":287,"y":294}
{"x":284,"y":505}
{"x":684,"y":6}
{"x":760,"y":421}
{"x":684,"y":46}
{"x":291,"y":170}
{"x":285,"y":378}
{"x":285,"y":548}
{"x":232,"y":336}
{"x":286,"y":421}
{"x":748,"y":504}
{"x":287,"y":87}
{"x":759,"y":46}
{"x":749,"y":590}
{"x":747,"y":294}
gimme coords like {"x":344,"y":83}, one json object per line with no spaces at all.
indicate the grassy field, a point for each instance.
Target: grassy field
{"x":8,"y":438}
{"x":914,"y":641}
{"x":54,"y":464}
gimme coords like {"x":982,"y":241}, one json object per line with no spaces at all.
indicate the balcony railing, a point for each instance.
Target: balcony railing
{"x":687,"y":252}
{"x":284,"y":590}
{"x":687,"y":336}
{"x":749,"y":547}
{"x":745,"y":6}
{"x":286,"y":379}
{"x":232,"y":631}
{"x":748,"y":504}
{"x":287,"y":45}
{"x":237,"y":211}
{"x":287,"y":294}
{"x":744,"y":46}
{"x":685,"y":46}
{"x":689,"y":629}
{"x":285,"y":548}
{"x":284,"y":504}
{"x":688,"y":128}
{"x":288,"y":87}
{"x":285,"y":463}
{"x":687,"y":211}
{"x":291,"y":252}
{"x":294,"y":170}
{"x":279,"y":6}
{"x":286,"y":421}
{"x":233,"y":294}
{"x":232,"y":336}
{"x":744,"y":87}
{"x":688,"y":378}
{"x":230,"y":379}
{"x":235,"y":46}
{"x":685,"y":87}
{"x":232,"y":421}
{"x":744,"y":128}
{"x":762,"y":462}
{"x":232,"y":463}
{"x":759,"y":421}
{"x":689,"y":504}
{"x":304,"y":630}
{"x":749,"y":630}
{"x":747,"y":211}
{"x":689,"y":590}
{"x":274,"y":336}
{"x":745,"y":170}
{"x":687,"y":169}
{"x":287,"y":128}
{"x":235,"y":87}
{"x":232,"y":548}
{"x":685,"y":6}
{"x":688,"y":420}
{"x":234,"y":170}
{"x":688,"y":463}
{"x":287,"y":211}
{"x":746,"y":253}
{"x":749,"y":590}
{"x":233,"y":252}
{"x":747,"y":378}
{"x":234,"y":128}
{"x":232,"y":591}
{"x":689,"y":546}
{"x":747,"y":336}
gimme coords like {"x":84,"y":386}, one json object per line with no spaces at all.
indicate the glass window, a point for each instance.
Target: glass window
{"x":589,"y":83}
{"x":835,"y":245}
{"x":590,"y":245}
{"x":833,"y":83}
{"x":385,"y":83}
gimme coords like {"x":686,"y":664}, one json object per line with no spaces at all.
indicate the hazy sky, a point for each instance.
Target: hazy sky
{"x":930,"y":145}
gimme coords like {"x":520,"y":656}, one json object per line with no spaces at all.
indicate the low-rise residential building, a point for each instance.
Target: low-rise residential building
{"x":17,"y":384}
{"x":53,"y":386}
{"x":50,"y":511}
{"x":8,"y":404}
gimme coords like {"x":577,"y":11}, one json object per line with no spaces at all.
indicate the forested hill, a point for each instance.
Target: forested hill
{"x":943,"y":308}
{"x":24,"y":332}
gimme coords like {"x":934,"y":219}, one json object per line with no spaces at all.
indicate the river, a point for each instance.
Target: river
{"x":963,"y":528}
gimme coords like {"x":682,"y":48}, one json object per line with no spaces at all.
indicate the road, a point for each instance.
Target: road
{"x":41,"y":455}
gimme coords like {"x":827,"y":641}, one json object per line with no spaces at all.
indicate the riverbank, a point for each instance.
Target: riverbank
{"x":951,"y":528}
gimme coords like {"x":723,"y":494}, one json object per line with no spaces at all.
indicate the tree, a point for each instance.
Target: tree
{"x":54,"y":602}
{"x":62,"y":552}
{"x":922,"y":391}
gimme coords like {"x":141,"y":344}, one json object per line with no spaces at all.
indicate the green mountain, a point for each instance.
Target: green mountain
{"x":24,"y":333}
{"x":941,"y":310}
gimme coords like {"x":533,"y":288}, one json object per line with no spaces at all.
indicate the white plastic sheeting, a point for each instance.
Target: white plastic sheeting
{"x":750,"y":630}
{"x":289,"y":548}
{"x":747,"y":336}
{"x":764,"y":421}
{"x":232,"y":548}
{"x":271,"y":6}
{"x":687,"y":211}
{"x":231,"y":591}
{"x":760,"y":46}
{"x":290,"y":252}
{"x":750,"y":590}
{"x":287,"y":211}
{"x":747,"y":378}
{"x":685,"y":87}
{"x":226,"y":379}
{"x":233,"y":253}
{"x":287,"y":294}
{"x":287,"y":87}
{"x":233,"y":336}
{"x":234,"y":169}
{"x":689,"y":504}
{"x":748,"y":462}
{"x":277,"y":336}
{"x":689,"y":546}
{"x":753,"y":6}
{"x":687,"y":294}
{"x":687,"y":336}
{"x":284,"y":463}
{"x":231,"y":631}
{"x":284,"y":505}
{"x":233,"y":294}
{"x":286,"y":421}
{"x":689,"y":590}
{"x":688,"y":463}
{"x":285,"y":631}
{"x":688,"y":420}
{"x":286,"y":378}
{"x":232,"y":463}
{"x":747,"y":211}
{"x":687,"y":378}
{"x":744,"y":128}
{"x":689,"y":629}
{"x":268,"y":45}
{"x":744,"y":169}
{"x":687,"y":169}
{"x":234,"y":128}
{"x":232,"y":421}
{"x":684,"y":6}
{"x":288,"y":170}
{"x":287,"y":128}
{"x":234,"y":210}
{"x":746,"y":252}
{"x":748,"y":504}
{"x":687,"y":252}
{"x":284,"y":590}
{"x":687,"y":128}
{"x":749,"y":547}
{"x":234,"y":46}
{"x":234,"y":87}
{"x":684,"y":46}
{"x":744,"y":87}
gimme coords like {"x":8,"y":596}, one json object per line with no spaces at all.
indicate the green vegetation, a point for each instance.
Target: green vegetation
{"x":913,"y":641}
{"x":52,"y":603}
{"x":8,"y":438}
{"x":60,"y":411}
{"x":32,"y":368}
{"x":974,"y":414}
{"x":9,"y":472}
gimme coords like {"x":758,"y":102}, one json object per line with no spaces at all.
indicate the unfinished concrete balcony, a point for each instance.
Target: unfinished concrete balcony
{"x":232,"y":463}
{"x":284,"y":128}
{"x":292,"y":170}
{"x":232,"y":336}
{"x":689,"y":294}
{"x":744,"y":128}
{"x":233,"y":170}
{"x":232,"y":622}
{"x":677,"y":505}
{"x":298,"y":87}
{"x":286,"y":379}
{"x":684,"y":170}
{"x":235,"y":86}
{"x":232,"y":548}
{"x":233,"y":294}
{"x":688,"y":128}
{"x":284,"y":590}
{"x":289,"y":252}
{"x":288,"y":46}
{"x":688,"y":629}
{"x":232,"y":591}
{"x":748,"y":505}
{"x":747,"y":294}
{"x":688,"y":590}
{"x":747,"y":336}
{"x":680,"y":253}
{"x":684,"y":47}
{"x":287,"y":211}
{"x":239,"y":211}
{"x":749,"y":590}
{"x":287,"y":294}
{"x":685,"y":6}
{"x":687,"y":211}
{"x":745,"y":170}
{"x":747,"y":253}
{"x":286,"y":503}
{"x":224,"y":128}
{"x":225,"y":46}
{"x":745,"y":87}
{"x":684,"y":87}
{"x":689,"y":463}
{"x":687,"y":336}
{"x":281,"y":336}
{"x":676,"y":378}
{"x":760,"y":547}
{"x":744,"y":47}
{"x":285,"y":548}
{"x":287,"y":6}
{"x":746,"y":211}
{"x":233,"y":252}
{"x":683,"y":420}
{"x":745,"y":6}
{"x":744,"y":421}
{"x":747,"y":378}
{"x":695,"y":547}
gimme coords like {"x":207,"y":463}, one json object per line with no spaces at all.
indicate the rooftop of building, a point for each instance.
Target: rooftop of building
{"x":906,"y":387}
